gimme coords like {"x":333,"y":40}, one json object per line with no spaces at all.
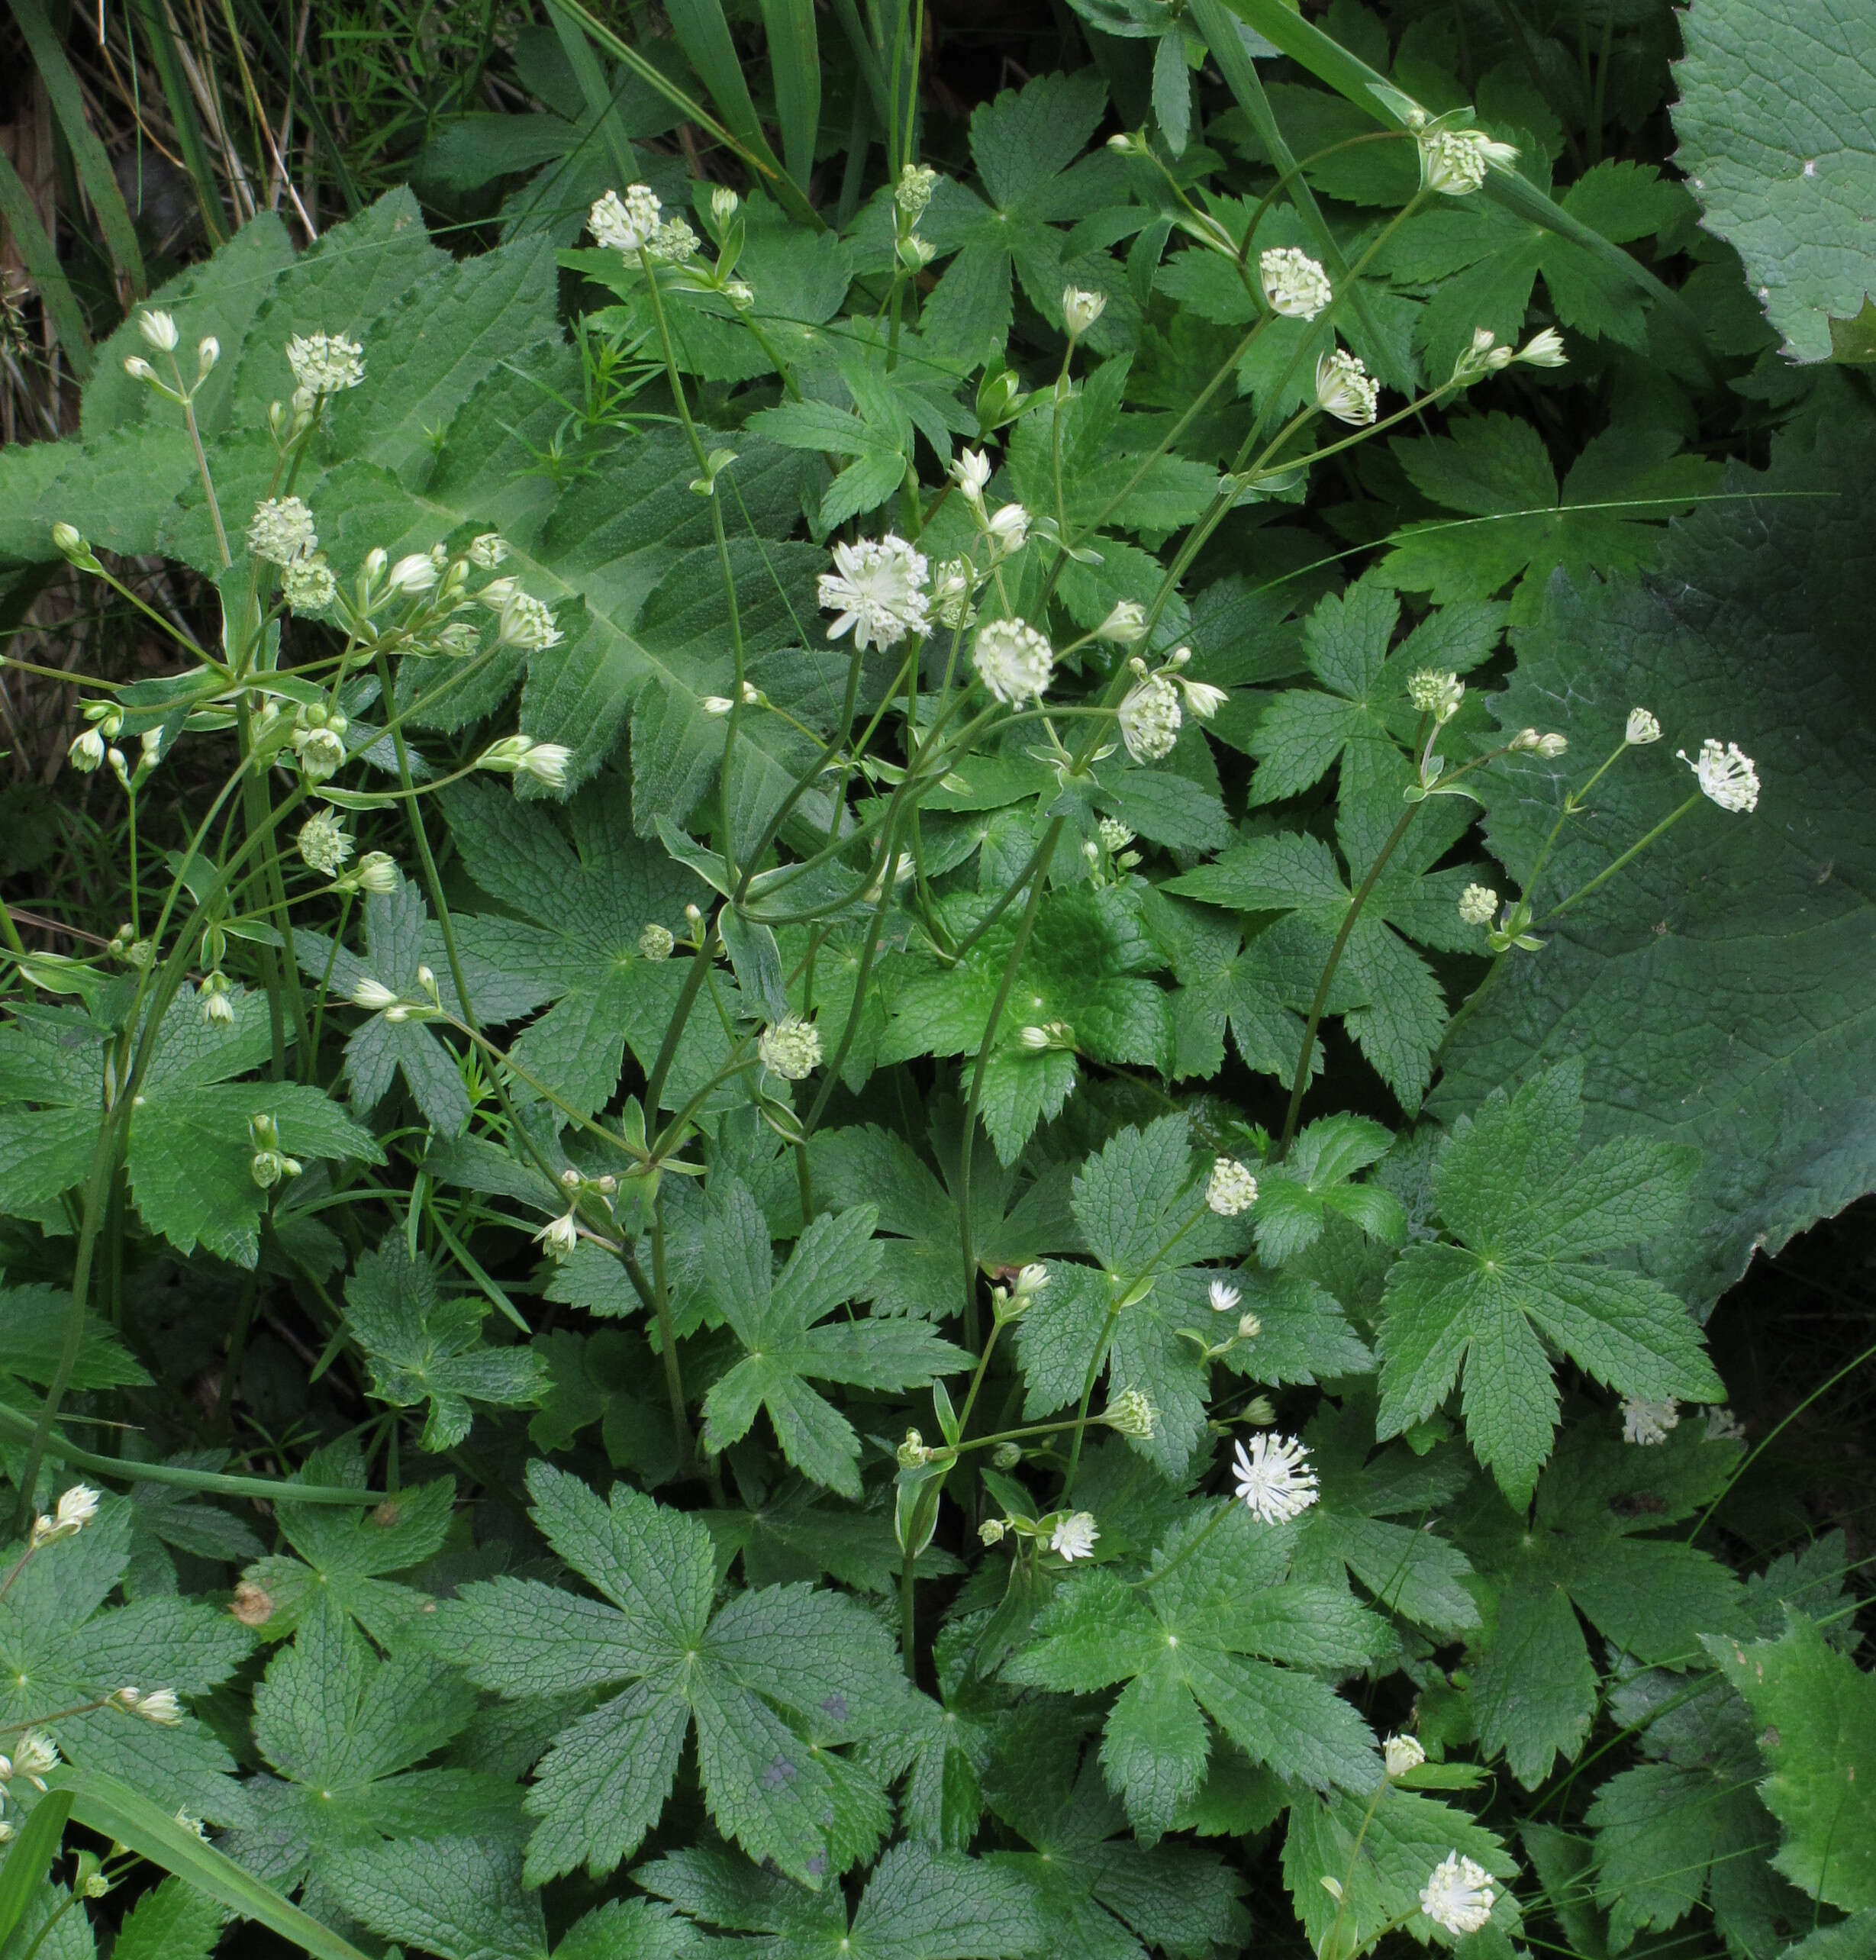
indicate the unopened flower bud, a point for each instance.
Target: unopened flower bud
{"x":160,"y":330}
{"x":1080,"y":309}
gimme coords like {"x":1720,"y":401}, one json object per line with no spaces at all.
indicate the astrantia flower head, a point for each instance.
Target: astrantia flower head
{"x":160,"y":330}
{"x":281,"y":530}
{"x":308,"y":585}
{"x":1274,"y":1477}
{"x":1114,"y":834}
{"x":487,"y":550}
{"x":528,"y":623}
{"x":1080,"y":309}
{"x":76,"y":1509}
{"x":87,"y":752}
{"x":1725,"y":774}
{"x":415,"y":573}
{"x":1723,"y":1425}
{"x":1202,"y":697}
{"x":152,"y":1704}
{"x":36,"y":1758}
{"x":325,"y":363}
{"x":876,"y":588}
{"x":1073,"y":1536}
{"x":1125,"y":625}
{"x":1149,"y":718}
{"x":1344,"y":390}
{"x":971,"y":473}
{"x":1400,"y":1754}
{"x":671,"y":243}
{"x":1008,"y":529}
{"x":321,"y":751}
{"x":1476,"y":905}
{"x":1643,"y":728}
{"x":951,"y":593}
{"x":1230,"y":1188}
{"x":790,"y":1048}
{"x":1647,"y":1423}
{"x":1222,"y":1295}
{"x":1296,"y":286}
{"x":656,"y":942}
{"x":1457,"y":1897}
{"x":912,"y":191}
{"x":1014,"y":661}
{"x":521,"y":755}
{"x":378,"y":872}
{"x":1030,"y":1279}
{"x":1436,"y":693}
{"x":559,"y":1237}
{"x":372,"y":995}
{"x":1131,"y":1413}
{"x":1456,"y":160}
{"x":624,"y":224}
{"x":1544,"y":349}
{"x":323,"y":844}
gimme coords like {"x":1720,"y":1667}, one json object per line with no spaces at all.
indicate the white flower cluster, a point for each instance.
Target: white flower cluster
{"x":1725,"y":774}
{"x":1149,"y":717}
{"x":1435,"y":693}
{"x":1344,"y":390}
{"x":1293,"y":283}
{"x":1073,"y":1536}
{"x":1274,"y":1480}
{"x":281,"y":530}
{"x":1080,"y":309}
{"x":1014,"y":661}
{"x":1454,"y":161}
{"x":35,"y":1756}
{"x":1230,"y":1188}
{"x":1458,"y":1896}
{"x":625,"y":224}
{"x":325,"y":363}
{"x":790,"y":1048}
{"x":1647,"y":1423}
{"x":912,"y":191}
{"x":1477,"y":904}
{"x":1132,"y":1412}
{"x":323,"y":844}
{"x":76,"y":1509}
{"x":1642,"y":729}
{"x":1400,"y":1755}
{"x":876,"y":588}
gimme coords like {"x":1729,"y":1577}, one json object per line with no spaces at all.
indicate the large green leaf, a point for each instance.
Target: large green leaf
{"x":1719,"y":989}
{"x":1777,"y":121}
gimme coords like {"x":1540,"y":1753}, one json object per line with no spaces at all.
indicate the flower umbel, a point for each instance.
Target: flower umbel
{"x":1344,"y":390}
{"x":1296,"y":286}
{"x":323,"y":844}
{"x":1149,"y":718}
{"x":1643,"y":728}
{"x":281,"y":531}
{"x":1073,"y":1536}
{"x":1456,"y":160}
{"x":1274,"y":1477}
{"x":876,"y":589}
{"x":1400,"y":1754}
{"x":1131,"y":1413}
{"x":1725,"y":774}
{"x":1230,"y":1190}
{"x":1648,"y":1423}
{"x":1476,"y":905}
{"x":624,"y":224}
{"x":1014,"y":661}
{"x":325,"y":363}
{"x":1457,"y":1897}
{"x":790,"y":1048}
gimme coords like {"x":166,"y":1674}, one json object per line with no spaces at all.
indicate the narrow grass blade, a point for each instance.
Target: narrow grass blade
{"x":88,"y":154}
{"x":43,"y":267}
{"x":795,"y":62}
{"x":159,"y":42}
{"x":33,"y":1850}
{"x":592,"y":78}
{"x":114,"y":1810}
{"x":1328,"y":61}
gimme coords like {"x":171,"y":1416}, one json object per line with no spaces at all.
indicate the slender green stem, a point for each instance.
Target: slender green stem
{"x":1627,"y":857}
{"x":668,"y":1341}
{"x":1088,"y":1393}
{"x":1300,"y":1086}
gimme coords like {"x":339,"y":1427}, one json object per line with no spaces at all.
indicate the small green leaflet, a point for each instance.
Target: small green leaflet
{"x":577,"y":908}
{"x":190,"y":1150}
{"x":345,"y":1554}
{"x":171,"y":1922}
{"x":1295,"y":1197}
{"x":345,"y":1732}
{"x":1816,"y":1709}
{"x":1026,"y":147}
{"x":919,"y":1904}
{"x":1085,"y":966}
{"x":62,"y":1648}
{"x":33,"y":1323}
{"x":1528,"y":1216}
{"x":1407,"y":1835}
{"x":774,"y":1318}
{"x":772,"y":1683}
{"x":423,"y":1348}
{"x":1201,"y":1637}
{"x":1103,"y":1895}
{"x":1608,"y":518}
{"x":166,"y":1518}
{"x":1586,"y":1550}
{"x":400,"y":937}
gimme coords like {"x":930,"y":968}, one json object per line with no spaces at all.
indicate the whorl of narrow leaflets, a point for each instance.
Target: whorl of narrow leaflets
{"x":1273,"y":1479}
{"x":1458,"y":1896}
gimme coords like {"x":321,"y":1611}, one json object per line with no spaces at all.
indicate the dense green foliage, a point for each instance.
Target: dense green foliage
{"x":925,"y":1075}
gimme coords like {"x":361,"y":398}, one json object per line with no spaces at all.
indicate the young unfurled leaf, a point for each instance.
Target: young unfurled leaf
{"x":774,"y":1318}
{"x":345,"y":1554}
{"x":1529,"y":1217}
{"x":772,"y":1683}
{"x":1204,"y":1641}
{"x":62,"y":1648}
{"x":424,"y":1348}
{"x":1295,"y":1197}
